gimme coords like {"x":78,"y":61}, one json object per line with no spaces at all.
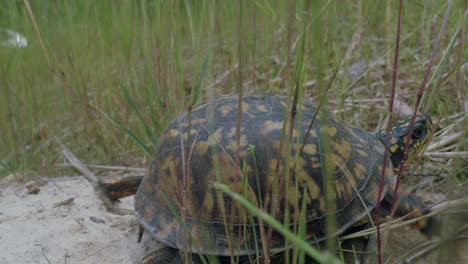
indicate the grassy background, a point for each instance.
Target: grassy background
{"x":121,"y":70}
{"x":156,"y":52}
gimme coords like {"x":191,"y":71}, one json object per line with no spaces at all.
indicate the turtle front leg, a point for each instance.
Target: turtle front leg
{"x":411,"y":206}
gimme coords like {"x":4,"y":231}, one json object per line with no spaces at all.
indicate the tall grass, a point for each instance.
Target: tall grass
{"x":156,"y":50}
{"x":120,"y":71}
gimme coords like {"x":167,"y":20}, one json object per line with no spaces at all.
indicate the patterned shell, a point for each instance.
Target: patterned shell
{"x":177,"y":202}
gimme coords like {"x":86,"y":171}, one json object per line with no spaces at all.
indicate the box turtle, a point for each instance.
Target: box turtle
{"x":178,"y":205}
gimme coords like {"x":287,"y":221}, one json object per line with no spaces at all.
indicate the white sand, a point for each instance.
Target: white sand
{"x":34,"y":230}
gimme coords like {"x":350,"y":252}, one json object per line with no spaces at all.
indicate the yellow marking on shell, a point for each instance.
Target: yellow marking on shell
{"x":269,"y":126}
{"x":295,"y":134}
{"x":215,"y":137}
{"x":343,"y":148}
{"x":272,"y":180}
{"x":316,"y":164}
{"x":262,"y":108}
{"x":312,"y":132}
{"x":284,"y":103}
{"x":296,"y":162}
{"x":201,"y":147}
{"x":225,"y":109}
{"x":340,"y":164}
{"x":362,"y":152}
{"x":232,"y":145}
{"x":304,"y":179}
{"x":214,"y":176}
{"x":232,"y":132}
{"x":343,"y":190}
{"x":221,"y":204}
{"x":184,"y":134}
{"x":359,"y":169}
{"x":310,"y":149}
{"x":313,"y":189}
{"x":170,"y":164}
{"x":331,"y":131}
{"x":393,"y":148}
{"x":362,"y":141}
{"x":293,"y":195}
{"x":169,"y":180}
{"x":192,"y":132}
{"x":245,"y":107}
{"x":174,"y":132}
{"x":208,"y":203}
{"x":243,"y":141}
{"x":177,"y":133}
{"x":388,"y":172}
{"x":274,"y":164}
{"x":351,"y":132}
{"x":321,"y":203}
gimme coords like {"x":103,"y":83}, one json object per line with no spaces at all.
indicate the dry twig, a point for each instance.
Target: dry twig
{"x":77,"y":164}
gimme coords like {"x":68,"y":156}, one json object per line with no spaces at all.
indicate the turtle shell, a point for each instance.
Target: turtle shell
{"x":177,"y":203}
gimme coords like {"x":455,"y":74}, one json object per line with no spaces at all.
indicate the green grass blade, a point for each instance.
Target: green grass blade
{"x":295,"y":240}
{"x":147,"y":150}
{"x":148,"y":130}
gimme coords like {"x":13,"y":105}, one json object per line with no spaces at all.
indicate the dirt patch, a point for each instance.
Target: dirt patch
{"x":48,"y":227}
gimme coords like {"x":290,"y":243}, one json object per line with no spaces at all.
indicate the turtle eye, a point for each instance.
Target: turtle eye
{"x":419,"y":133}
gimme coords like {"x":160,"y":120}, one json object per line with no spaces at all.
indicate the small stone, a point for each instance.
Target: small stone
{"x":97,"y":220}
{"x":65,"y":202}
{"x":32,"y":187}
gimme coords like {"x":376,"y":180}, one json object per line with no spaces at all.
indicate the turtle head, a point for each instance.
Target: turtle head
{"x":399,"y":132}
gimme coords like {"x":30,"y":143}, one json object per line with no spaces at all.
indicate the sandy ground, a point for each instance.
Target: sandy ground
{"x":43,"y":228}
{"x":34,"y":228}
